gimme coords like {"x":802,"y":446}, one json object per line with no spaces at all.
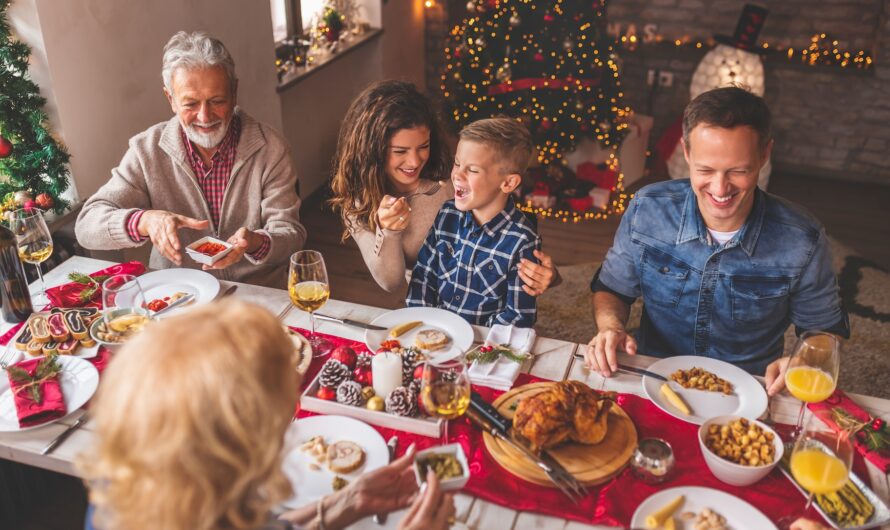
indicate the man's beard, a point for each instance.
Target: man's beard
{"x":204,"y":139}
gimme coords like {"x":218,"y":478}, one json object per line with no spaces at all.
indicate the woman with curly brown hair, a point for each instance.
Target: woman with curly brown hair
{"x":190,"y":421}
{"x":391,"y":176}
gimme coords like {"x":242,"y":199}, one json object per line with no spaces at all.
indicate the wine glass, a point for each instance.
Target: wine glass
{"x":445,"y":390}
{"x":820,"y":462}
{"x":308,"y":287}
{"x":812,"y":372}
{"x":34,"y":242}
{"x":123,"y":301}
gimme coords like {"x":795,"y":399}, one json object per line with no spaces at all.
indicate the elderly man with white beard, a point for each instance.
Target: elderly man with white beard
{"x":209,"y":170}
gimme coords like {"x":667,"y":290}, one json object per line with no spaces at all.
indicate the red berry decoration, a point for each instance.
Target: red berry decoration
{"x":877,"y":425}
{"x":345,"y":355}
{"x":363,"y":376}
{"x":327,"y":394}
{"x":5,"y":147}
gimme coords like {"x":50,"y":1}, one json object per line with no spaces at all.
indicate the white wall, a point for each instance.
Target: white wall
{"x":104,"y":63}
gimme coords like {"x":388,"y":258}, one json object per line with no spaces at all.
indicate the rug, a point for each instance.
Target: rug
{"x":564,"y":312}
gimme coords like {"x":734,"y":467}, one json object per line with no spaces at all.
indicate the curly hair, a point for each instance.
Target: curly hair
{"x":359,"y":171}
{"x":190,"y":418}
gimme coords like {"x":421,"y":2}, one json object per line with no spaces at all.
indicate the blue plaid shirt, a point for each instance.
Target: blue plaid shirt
{"x":473,"y":270}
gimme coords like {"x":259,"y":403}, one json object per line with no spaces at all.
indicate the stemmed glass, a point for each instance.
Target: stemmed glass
{"x":123,"y":301}
{"x":307,"y":284}
{"x":445,"y":390}
{"x":820,"y":462}
{"x":813,"y":369}
{"x":35,"y":243}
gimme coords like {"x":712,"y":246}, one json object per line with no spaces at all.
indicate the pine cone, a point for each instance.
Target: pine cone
{"x":414,"y":388}
{"x":350,"y":393}
{"x":333,"y":373}
{"x":448,"y":376}
{"x":363,"y":360}
{"x":401,"y":402}
{"x":410,"y":358}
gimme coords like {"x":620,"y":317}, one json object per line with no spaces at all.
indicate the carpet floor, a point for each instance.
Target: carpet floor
{"x":564,"y":312}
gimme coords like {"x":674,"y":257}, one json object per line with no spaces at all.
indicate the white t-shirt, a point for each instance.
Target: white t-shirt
{"x":722,"y":237}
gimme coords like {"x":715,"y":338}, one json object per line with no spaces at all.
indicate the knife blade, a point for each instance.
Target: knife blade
{"x":182,"y":301}
{"x":631,"y":369}
{"x":348,"y":322}
{"x":50,"y":447}
{"x":392,"y":444}
{"x":229,"y":291}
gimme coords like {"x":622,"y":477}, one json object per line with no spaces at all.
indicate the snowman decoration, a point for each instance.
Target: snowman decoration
{"x":733,"y":62}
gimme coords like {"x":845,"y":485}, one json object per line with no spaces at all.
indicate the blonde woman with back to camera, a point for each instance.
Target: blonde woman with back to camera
{"x":190,"y":421}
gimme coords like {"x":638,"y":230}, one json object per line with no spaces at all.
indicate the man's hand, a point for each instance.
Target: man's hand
{"x":602,"y":350}
{"x":775,"y":376}
{"x":392,"y":214}
{"x":537,"y":277}
{"x":244,"y":242}
{"x":162,"y":228}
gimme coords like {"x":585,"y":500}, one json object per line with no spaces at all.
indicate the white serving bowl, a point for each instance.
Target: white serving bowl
{"x":204,"y":258}
{"x":454,"y":483}
{"x":730,"y":472}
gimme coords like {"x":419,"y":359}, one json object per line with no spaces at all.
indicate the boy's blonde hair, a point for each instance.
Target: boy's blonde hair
{"x":511,"y":141}
{"x":190,"y":418}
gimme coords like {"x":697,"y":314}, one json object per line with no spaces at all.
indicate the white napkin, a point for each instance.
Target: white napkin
{"x":501,"y":374}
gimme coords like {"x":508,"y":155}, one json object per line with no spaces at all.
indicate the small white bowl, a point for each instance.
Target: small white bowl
{"x":454,"y":483}
{"x":204,"y":258}
{"x":730,"y":472}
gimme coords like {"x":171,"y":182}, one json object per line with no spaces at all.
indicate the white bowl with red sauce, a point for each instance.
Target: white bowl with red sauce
{"x":208,"y":250}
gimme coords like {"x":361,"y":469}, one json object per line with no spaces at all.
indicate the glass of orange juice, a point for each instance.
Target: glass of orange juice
{"x":813,"y":369}
{"x":820,"y":462}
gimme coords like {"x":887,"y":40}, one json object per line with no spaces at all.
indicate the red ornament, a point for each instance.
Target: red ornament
{"x":539,"y":57}
{"x":362,"y":375}
{"x":29,"y":205}
{"x":418,"y":371}
{"x":548,"y":18}
{"x":327,"y":394}
{"x":877,"y":425}
{"x":45,"y":201}
{"x":345,"y":355}
{"x":5,"y":147}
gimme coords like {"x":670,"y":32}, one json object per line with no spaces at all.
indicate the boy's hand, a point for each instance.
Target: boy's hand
{"x":536,"y":277}
{"x":392,"y":214}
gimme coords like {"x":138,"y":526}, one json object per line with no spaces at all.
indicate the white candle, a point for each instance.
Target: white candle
{"x":386,"y":373}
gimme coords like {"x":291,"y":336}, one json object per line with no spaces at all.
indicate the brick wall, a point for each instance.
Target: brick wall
{"x":829,"y":122}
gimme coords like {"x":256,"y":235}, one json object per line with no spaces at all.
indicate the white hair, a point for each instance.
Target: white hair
{"x":196,"y":50}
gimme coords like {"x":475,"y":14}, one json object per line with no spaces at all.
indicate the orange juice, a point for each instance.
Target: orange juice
{"x":818,"y":472}
{"x":808,"y":384}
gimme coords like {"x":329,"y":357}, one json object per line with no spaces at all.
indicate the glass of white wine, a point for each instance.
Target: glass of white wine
{"x":35,"y":243}
{"x":125,"y":312}
{"x":307,"y":284}
{"x":445,"y":390}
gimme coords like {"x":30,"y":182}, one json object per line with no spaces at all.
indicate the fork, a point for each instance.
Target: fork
{"x":437,"y":185}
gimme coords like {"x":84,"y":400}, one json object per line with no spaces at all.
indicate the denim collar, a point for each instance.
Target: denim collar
{"x":493,"y":226}
{"x":692,"y":226}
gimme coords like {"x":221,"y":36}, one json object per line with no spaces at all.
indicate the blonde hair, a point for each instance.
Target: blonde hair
{"x":190,"y":418}
{"x":510,"y":140}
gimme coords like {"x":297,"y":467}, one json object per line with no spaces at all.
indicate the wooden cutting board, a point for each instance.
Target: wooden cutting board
{"x":590,"y":464}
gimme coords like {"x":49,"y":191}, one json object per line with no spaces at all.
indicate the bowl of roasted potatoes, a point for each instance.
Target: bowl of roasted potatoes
{"x":739,"y":451}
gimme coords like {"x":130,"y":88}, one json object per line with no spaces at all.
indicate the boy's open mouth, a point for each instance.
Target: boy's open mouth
{"x":461,"y":192}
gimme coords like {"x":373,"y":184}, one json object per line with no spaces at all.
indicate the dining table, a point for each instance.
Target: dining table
{"x":552,"y":359}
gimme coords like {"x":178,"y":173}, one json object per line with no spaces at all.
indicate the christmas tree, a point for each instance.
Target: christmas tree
{"x":549,"y":63}
{"x":33,"y":165}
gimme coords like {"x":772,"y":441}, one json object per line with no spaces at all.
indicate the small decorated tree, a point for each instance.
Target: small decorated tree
{"x":33,"y":165}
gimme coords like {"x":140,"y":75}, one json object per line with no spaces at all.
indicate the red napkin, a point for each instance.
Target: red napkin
{"x":68,"y":294}
{"x":840,"y":400}
{"x":29,"y":412}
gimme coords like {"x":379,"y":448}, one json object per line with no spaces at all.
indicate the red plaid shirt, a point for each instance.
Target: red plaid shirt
{"x":213,"y":180}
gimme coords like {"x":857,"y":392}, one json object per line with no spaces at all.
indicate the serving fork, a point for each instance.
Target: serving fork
{"x":437,"y":185}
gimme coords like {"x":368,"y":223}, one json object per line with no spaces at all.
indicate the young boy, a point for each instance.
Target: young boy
{"x":469,"y":263}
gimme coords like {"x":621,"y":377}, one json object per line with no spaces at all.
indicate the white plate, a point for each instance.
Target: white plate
{"x":748,"y":398}
{"x":454,"y":326}
{"x":739,"y":514}
{"x":79,"y":380}
{"x":311,"y":484}
{"x":167,"y":282}
{"x":10,"y":350}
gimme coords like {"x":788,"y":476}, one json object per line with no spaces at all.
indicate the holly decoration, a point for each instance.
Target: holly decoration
{"x":5,"y":147}
{"x":488,"y":354}
{"x":46,"y":369}
{"x":872,"y":432}
{"x":92,"y":283}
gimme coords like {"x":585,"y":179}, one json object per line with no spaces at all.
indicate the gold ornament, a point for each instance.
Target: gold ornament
{"x":375,"y":403}
{"x":21,"y":197}
{"x":368,"y":393}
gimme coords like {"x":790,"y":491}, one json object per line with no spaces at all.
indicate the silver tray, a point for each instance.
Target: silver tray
{"x":880,"y":517}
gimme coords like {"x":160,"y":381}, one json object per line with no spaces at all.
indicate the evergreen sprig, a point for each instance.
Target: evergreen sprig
{"x":47,"y":368}
{"x":490,"y":354}
{"x":93,"y":284}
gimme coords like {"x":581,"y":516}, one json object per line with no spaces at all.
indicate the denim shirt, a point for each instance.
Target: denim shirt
{"x":731,"y":302}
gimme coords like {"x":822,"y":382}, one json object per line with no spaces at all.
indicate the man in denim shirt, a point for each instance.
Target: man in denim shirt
{"x":723,"y":267}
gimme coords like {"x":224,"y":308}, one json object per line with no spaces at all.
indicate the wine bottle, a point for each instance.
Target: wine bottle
{"x":15,"y":299}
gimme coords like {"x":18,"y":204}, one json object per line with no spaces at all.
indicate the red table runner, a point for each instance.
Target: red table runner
{"x":614,"y":502}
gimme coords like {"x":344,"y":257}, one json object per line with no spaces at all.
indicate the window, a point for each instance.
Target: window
{"x":292,"y":16}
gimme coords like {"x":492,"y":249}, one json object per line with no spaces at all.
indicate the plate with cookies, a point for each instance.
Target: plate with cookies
{"x":60,"y":331}
{"x":327,"y":453}
{"x":699,"y":388}
{"x":434,"y":331}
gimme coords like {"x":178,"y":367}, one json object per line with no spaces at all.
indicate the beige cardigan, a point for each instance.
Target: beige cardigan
{"x":155,"y":174}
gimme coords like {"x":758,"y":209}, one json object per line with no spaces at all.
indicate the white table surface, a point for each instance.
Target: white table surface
{"x":553,"y":360}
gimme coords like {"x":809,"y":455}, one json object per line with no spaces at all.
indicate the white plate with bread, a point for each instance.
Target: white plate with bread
{"x":321,"y":449}
{"x":431,"y":329}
